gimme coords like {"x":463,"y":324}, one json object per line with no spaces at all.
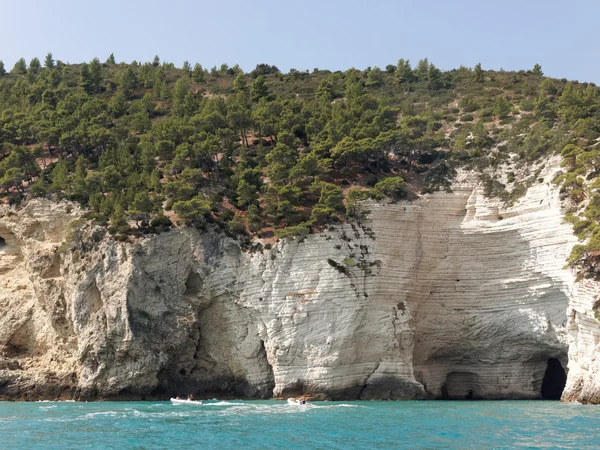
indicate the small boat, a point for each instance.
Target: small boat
{"x":298,"y":402}
{"x":178,"y":401}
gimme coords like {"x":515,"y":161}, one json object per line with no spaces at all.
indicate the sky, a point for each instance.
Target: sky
{"x":324,"y":34}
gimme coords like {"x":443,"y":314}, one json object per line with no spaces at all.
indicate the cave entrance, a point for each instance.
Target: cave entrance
{"x":193,"y":286}
{"x":554,"y":381}
{"x":3,"y":245}
{"x":461,"y":386}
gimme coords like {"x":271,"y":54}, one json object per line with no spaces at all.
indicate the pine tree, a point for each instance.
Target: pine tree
{"x":95,"y":69}
{"x":404,"y":73}
{"x":60,"y":176}
{"x":239,"y":84}
{"x":259,"y":89}
{"x":478,"y":73}
{"x":85,"y":78}
{"x":434,"y":77}
{"x":198,"y":73}
{"x":49,"y":61}
{"x":35,"y":66}
{"x":422,"y":69}
{"x":2,"y":69}
{"x":20,"y":67}
{"x":111,"y":59}
{"x":537,"y":70}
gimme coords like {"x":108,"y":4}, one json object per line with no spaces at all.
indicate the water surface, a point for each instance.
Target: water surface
{"x":327,"y":425}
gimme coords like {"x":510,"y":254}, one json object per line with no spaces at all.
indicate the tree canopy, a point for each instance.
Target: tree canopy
{"x":150,"y":143}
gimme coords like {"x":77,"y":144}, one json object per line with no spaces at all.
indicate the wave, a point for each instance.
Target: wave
{"x":55,"y":401}
{"x":225,"y":403}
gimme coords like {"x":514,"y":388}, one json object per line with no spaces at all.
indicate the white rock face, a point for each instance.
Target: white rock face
{"x":446,"y":296}
{"x":583,"y":384}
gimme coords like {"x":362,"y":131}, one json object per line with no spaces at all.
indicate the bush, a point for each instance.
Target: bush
{"x":527,"y":105}
{"x":297,"y":230}
{"x":467,"y":118}
{"x":392,"y":187}
{"x":237,"y":225}
{"x":161,"y":221}
{"x":227,"y":215}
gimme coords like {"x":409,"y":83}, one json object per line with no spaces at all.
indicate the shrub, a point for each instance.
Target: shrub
{"x":392,"y":187}
{"x":297,"y":230}
{"x":527,"y":105}
{"x":161,"y":221}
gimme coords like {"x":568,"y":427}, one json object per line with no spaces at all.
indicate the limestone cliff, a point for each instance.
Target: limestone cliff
{"x":583,"y":383}
{"x":448,"y":296}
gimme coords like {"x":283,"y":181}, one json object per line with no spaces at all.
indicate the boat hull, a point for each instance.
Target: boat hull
{"x":295,"y":402}
{"x":176,"y":401}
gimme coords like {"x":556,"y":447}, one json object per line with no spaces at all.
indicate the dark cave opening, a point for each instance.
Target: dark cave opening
{"x":461,"y":386}
{"x":3,"y":245}
{"x":554,"y":381}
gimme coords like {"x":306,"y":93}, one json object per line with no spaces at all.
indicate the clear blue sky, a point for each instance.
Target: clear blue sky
{"x":561,"y":35}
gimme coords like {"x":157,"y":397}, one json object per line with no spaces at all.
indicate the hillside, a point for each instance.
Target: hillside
{"x":148,"y":146}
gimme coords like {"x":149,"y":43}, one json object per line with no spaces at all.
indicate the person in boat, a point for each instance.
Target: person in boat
{"x":190,"y":398}
{"x":302,"y":401}
{"x":177,"y":398}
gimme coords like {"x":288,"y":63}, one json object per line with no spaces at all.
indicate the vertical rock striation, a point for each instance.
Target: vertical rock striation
{"x":583,"y":383}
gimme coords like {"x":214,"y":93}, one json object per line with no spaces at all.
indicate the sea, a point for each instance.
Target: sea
{"x":241,"y":424}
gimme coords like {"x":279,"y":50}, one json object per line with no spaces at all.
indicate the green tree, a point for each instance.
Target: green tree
{"x":391,"y":187}
{"x":49,"y":61}
{"x":95,"y":74}
{"x":590,"y":159}
{"x":13,"y":178}
{"x":111,"y":59}
{"x":259,"y":89}
{"x":501,"y":107}
{"x":254,"y":218}
{"x":239,"y":84}
{"x":2,"y":69}
{"x":85,"y":79}
{"x":60,"y":176}
{"x":20,"y":67}
{"x":198,"y":73}
{"x":194,"y":212}
{"x":128,"y":82}
{"x":140,"y":210}
{"x":237,"y":225}
{"x":374,"y":77}
{"x":478,"y":73}
{"x":79,"y":186}
{"x":330,"y":204}
{"x":35,"y":66}
{"x":404,"y":73}
{"x":434,"y":77}
{"x":422,"y":69}
{"x":537,"y":70}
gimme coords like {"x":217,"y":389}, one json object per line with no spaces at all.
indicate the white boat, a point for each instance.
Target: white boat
{"x":298,"y":402}
{"x":177,"y":401}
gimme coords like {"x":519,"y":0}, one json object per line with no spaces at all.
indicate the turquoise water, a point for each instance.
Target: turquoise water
{"x":271,"y":424}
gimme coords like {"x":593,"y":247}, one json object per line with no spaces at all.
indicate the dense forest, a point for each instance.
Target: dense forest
{"x":148,"y":146}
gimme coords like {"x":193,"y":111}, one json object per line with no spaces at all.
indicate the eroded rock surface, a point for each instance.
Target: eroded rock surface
{"x":448,"y":296}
